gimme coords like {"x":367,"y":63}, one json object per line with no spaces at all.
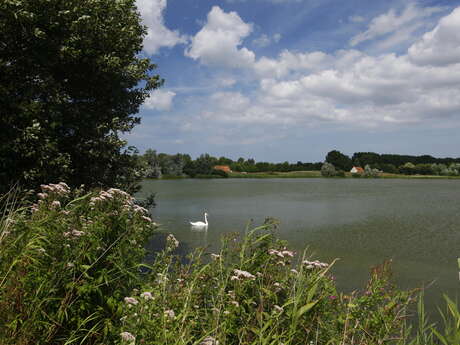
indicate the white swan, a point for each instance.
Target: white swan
{"x":201,"y":224}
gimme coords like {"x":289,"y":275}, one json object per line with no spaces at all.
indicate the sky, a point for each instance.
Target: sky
{"x":290,"y":80}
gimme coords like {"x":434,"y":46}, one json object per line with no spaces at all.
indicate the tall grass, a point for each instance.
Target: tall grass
{"x":71,"y":272}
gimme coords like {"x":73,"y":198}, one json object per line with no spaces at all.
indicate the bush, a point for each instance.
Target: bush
{"x":219,"y":173}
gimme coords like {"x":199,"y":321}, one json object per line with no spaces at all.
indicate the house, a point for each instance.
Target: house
{"x":357,"y":170}
{"x":225,"y":168}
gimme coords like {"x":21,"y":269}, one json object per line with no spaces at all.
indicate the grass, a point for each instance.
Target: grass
{"x":72,"y":272}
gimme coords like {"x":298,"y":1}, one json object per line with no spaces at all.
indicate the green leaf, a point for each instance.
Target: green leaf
{"x":307,"y":307}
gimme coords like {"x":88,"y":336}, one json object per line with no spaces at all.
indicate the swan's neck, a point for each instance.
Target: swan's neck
{"x":205,"y":219}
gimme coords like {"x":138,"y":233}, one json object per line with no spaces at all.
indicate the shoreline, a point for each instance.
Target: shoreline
{"x":308,"y":174}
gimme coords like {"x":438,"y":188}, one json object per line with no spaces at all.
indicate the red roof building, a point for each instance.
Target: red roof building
{"x":357,"y":170}
{"x":225,"y":168}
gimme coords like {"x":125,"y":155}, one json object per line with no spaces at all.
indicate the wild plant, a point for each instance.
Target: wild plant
{"x":65,"y":264}
{"x":257,"y":291}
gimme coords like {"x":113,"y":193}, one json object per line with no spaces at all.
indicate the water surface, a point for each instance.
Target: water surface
{"x":361,"y":221}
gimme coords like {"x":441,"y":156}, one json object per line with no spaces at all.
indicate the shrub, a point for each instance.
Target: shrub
{"x":219,"y":173}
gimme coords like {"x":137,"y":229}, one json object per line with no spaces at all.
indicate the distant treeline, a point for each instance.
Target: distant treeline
{"x":156,"y":165}
{"x":396,"y":164}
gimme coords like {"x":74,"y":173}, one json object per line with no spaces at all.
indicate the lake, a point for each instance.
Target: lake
{"x":361,"y":221}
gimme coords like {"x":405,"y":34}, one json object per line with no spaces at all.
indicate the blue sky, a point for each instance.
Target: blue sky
{"x":280,"y":80}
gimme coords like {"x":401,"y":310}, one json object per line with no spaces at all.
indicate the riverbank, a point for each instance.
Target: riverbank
{"x":306,"y":174}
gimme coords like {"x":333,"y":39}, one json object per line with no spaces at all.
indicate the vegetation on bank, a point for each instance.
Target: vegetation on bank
{"x":72,"y":271}
{"x":336,"y":164}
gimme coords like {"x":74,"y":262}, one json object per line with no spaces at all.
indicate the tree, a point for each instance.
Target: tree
{"x":71,"y":80}
{"x":339,"y":160}
{"x":407,"y":169}
{"x":152,"y":167}
{"x":328,"y":170}
{"x":369,"y":172}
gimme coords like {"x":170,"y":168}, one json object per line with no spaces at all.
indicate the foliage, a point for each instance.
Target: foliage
{"x":339,"y":160}
{"x":369,"y":172}
{"x":155,"y":165}
{"x":71,"y":78}
{"x":328,"y":170}
{"x":151,"y":165}
{"x":389,"y":162}
{"x":203,"y":165}
{"x":220,"y":173}
{"x":66,"y":262}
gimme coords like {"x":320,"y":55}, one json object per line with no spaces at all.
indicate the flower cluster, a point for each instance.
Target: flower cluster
{"x":171,"y":242}
{"x":281,"y":253}
{"x":128,"y":336}
{"x":59,"y":189}
{"x":131,"y":301}
{"x":147,"y":295}
{"x":315,"y":264}
{"x":73,"y":234}
{"x":239,"y":275}
{"x":111,"y":194}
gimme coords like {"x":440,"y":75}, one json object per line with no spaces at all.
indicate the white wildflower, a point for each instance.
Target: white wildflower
{"x":146,"y":295}
{"x":147,"y":219}
{"x":315,"y":264}
{"x":77,"y":233}
{"x":243,"y":274}
{"x":288,"y":253}
{"x":128,"y":336}
{"x":70,"y":265}
{"x":56,"y":204}
{"x":42,"y":195}
{"x":172,"y":242}
{"x":170,"y":313}
{"x":131,"y":300}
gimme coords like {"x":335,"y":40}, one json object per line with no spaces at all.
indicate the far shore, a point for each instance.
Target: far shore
{"x":311,"y":174}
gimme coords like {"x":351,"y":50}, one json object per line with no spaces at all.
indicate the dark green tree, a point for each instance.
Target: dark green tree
{"x":339,"y":160}
{"x":71,"y":80}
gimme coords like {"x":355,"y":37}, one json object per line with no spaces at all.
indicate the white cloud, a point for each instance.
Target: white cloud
{"x":217,"y":43}
{"x":396,"y":28}
{"x":160,"y":100}
{"x":440,"y":46}
{"x":158,"y":35}
{"x":264,"y":40}
{"x":352,"y":88}
{"x":288,"y":62}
